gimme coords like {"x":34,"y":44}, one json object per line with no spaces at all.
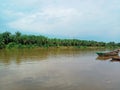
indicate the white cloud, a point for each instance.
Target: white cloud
{"x":13,"y":14}
{"x":72,"y":18}
{"x":24,"y":2}
{"x":46,"y":20}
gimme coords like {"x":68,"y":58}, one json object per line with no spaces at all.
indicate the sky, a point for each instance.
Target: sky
{"x":97,"y":20}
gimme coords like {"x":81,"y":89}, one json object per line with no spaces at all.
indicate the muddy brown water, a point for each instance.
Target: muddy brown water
{"x":57,"y":69}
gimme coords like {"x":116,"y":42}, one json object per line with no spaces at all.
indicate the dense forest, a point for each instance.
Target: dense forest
{"x":18,"y":40}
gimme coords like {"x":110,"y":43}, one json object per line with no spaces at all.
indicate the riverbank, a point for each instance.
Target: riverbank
{"x":59,"y":47}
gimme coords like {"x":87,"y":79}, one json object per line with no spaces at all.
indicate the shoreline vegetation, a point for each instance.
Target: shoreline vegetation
{"x":19,"y":41}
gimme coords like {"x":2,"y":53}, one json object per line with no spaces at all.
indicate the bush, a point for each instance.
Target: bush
{"x":11,"y":45}
{"x":2,"y":45}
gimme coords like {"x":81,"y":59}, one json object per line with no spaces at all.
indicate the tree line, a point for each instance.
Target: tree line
{"x":18,"y":40}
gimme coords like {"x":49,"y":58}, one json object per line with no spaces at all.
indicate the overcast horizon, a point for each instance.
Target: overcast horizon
{"x":97,"y":20}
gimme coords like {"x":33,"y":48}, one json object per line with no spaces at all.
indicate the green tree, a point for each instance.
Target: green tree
{"x":6,"y":37}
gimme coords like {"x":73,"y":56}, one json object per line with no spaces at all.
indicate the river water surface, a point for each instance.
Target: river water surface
{"x":57,"y":69}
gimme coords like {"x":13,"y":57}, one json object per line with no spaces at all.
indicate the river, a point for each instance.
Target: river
{"x":57,"y":69}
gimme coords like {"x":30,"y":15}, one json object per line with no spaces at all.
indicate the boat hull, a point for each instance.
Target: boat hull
{"x":116,"y":58}
{"x":106,"y":54}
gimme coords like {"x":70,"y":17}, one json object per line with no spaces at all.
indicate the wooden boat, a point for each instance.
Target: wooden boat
{"x":112,"y":53}
{"x":116,"y":58}
{"x":106,"y":54}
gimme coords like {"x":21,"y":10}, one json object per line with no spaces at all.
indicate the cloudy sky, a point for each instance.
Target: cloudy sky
{"x":82,"y":19}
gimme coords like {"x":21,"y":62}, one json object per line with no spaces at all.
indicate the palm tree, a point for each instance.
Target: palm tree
{"x":6,"y":37}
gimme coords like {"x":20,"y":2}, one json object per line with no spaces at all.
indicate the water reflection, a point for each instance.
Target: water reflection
{"x":103,"y":58}
{"x":8,"y":56}
{"x":24,"y":55}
